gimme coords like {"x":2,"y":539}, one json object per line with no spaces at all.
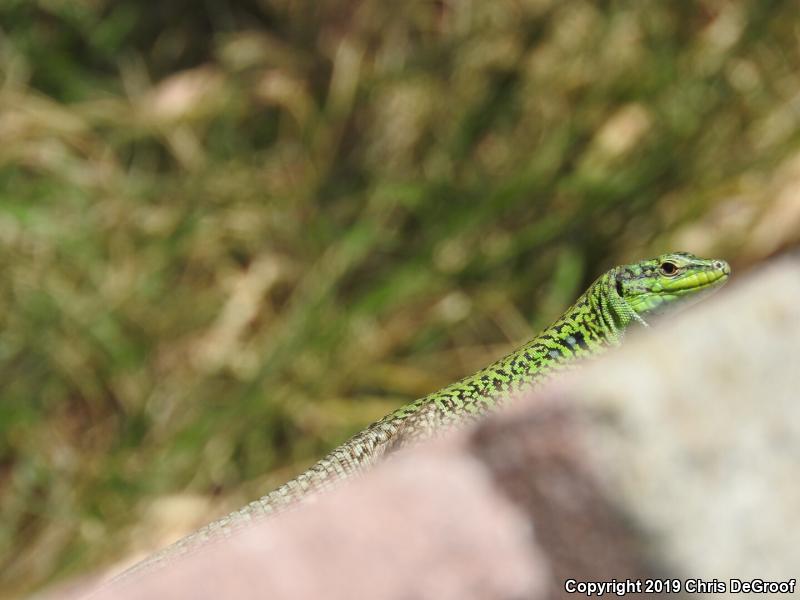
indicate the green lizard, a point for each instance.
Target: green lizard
{"x":622,"y":296}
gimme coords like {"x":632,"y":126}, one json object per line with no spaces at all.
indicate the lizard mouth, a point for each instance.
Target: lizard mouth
{"x":678,"y":293}
{"x":700,"y":280}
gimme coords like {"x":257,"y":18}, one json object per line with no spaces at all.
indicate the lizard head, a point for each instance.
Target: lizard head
{"x":678,"y":278}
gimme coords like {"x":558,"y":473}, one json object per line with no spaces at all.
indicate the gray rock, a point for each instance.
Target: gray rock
{"x":676,"y":456}
{"x":696,"y":430}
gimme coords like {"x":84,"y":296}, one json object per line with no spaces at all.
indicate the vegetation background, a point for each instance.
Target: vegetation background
{"x":232,"y":233}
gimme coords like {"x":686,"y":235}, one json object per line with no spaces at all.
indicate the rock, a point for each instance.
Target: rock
{"x":676,"y":456}
{"x":427,"y":525}
{"x":696,"y":430}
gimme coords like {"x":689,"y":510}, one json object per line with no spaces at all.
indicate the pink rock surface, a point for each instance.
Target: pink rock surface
{"x":427,"y":525}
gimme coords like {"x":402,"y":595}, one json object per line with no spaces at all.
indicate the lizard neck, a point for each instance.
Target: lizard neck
{"x":602,"y":312}
{"x":595,"y":322}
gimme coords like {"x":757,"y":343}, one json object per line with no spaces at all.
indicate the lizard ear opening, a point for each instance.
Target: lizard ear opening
{"x":619,"y":288}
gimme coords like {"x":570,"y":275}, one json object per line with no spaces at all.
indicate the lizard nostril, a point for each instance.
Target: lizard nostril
{"x":721,"y":265}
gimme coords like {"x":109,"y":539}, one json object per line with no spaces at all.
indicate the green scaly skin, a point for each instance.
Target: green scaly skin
{"x":597,"y":321}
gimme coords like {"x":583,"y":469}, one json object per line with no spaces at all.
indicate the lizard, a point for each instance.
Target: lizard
{"x":625,"y":295}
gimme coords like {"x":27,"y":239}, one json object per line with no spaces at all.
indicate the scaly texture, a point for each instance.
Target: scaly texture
{"x":597,"y":321}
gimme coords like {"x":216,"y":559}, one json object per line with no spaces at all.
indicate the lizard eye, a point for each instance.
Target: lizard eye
{"x":669,"y":269}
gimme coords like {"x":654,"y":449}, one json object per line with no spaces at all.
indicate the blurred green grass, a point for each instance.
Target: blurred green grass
{"x":232,"y":236}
